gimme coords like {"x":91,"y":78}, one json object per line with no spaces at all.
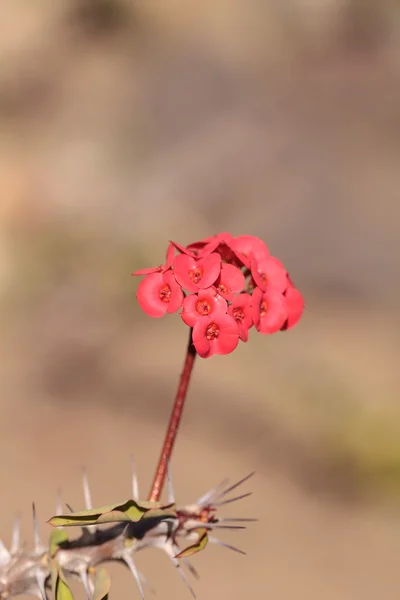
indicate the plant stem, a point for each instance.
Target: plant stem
{"x":174,"y":422}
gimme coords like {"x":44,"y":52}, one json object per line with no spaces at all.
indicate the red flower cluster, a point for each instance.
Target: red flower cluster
{"x":224,"y":285}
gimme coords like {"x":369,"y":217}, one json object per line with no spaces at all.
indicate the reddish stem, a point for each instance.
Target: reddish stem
{"x":174,"y":422}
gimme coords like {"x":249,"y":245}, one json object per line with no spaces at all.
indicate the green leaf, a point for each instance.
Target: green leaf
{"x":57,"y":537}
{"x":129,"y":511}
{"x":197,"y":547}
{"x":101,"y":585}
{"x":60,"y":587}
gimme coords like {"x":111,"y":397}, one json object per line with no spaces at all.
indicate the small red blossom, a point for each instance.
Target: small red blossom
{"x":269,"y":273}
{"x":217,"y":335}
{"x":230,"y":281}
{"x":160,"y":268}
{"x":196,"y":274}
{"x":159,"y":293}
{"x":207,"y":303}
{"x":295,"y":306}
{"x":241,"y":311}
{"x":269,"y":310}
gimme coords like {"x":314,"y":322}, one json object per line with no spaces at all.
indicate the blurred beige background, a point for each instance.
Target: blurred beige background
{"x":124,"y":124}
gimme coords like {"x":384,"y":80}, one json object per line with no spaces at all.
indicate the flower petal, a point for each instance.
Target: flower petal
{"x":161,"y":268}
{"x":211,"y":265}
{"x":295,"y":307}
{"x":148,"y":295}
{"x":269,"y":310}
{"x":169,"y":259}
{"x":269,"y":273}
{"x":148,"y":270}
{"x":228,"y":337}
{"x":200,"y":341}
{"x":176,"y":298}
{"x":241,"y":311}
{"x":248,"y":245}
{"x":182,"y":265}
{"x":189,"y":314}
{"x":230,"y":281}
{"x":181,"y":249}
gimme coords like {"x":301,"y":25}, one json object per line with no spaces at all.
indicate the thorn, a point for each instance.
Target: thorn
{"x":211,"y":526}
{"x":88,"y":499}
{"x":40,"y":580}
{"x":218,"y":542}
{"x":59,"y":504}
{"x":171,"y":495}
{"x":233,"y":520}
{"x":39,"y":547}
{"x":146,"y":583}
{"x":83,"y":574}
{"x":190,"y":568}
{"x":16,"y":535}
{"x":86,"y":490}
{"x":229,"y":500}
{"x":235,"y":527}
{"x":235,"y":485}
{"x":4,"y":555}
{"x":172,"y":550}
{"x":217,"y":493}
{"x":214,"y":493}
{"x":135,"y":484}
{"x":128,"y":560}
{"x":184,"y":579}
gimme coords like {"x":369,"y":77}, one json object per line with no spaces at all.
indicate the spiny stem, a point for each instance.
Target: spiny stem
{"x":174,"y":422}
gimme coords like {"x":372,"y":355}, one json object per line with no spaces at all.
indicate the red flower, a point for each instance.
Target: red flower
{"x":196,"y":274}
{"x":161,"y":268}
{"x":159,"y":293}
{"x":230,"y":281}
{"x":205,"y":303}
{"x":269,"y":273}
{"x":295,"y":306}
{"x":217,"y":335}
{"x":269,"y":310}
{"x":241,"y":311}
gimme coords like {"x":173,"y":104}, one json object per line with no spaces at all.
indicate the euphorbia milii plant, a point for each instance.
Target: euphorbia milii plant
{"x":222,"y":286}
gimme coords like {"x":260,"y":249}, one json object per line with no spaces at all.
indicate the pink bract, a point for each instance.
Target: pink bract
{"x":161,"y":268}
{"x":241,"y":311}
{"x":248,"y":245}
{"x":269,"y":310}
{"x":159,"y":293}
{"x":269,"y":273}
{"x":196,"y":274}
{"x":218,"y":335}
{"x":230,"y":281}
{"x":295,"y":306}
{"x":210,"y":244}
{"x":205,"y":303}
